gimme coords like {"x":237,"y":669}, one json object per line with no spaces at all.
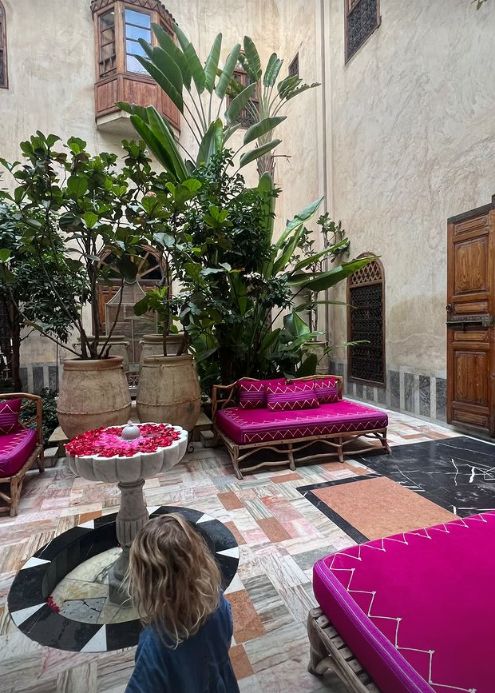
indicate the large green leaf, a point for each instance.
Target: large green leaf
{"x":163,"y":81}
{"x":252,"y":59}
{"x":211,"y":65}
{"x":162,"y":131}
{"x":256,"y":153}
{"x":325,"y":280}
{"x":286,"y":85}
{"x":259,"y":129}
{"x":133,"y":109}
{"x":321,"y":255}
{"x":301,"y":216}
{"x":288,"y":250}
{"x":272,"y":70}
{"x":166,"y":42}
{"x":295,"y":325}
{"x":193,"y":62}
{"x":228,"y":71}
{"x":211,"y":142}
{"x":170,"y":69}
{"x":300,"y":89}
{"x":239,"y":103}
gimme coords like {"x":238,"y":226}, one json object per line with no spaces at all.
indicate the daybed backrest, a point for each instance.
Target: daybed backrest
{"x":254,"y":391}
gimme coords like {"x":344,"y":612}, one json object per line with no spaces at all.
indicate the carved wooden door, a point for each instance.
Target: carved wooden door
{"x":470,"y":319}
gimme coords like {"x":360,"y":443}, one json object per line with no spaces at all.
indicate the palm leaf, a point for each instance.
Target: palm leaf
{"x":239,"y":103}
{"x":299,"y":90}
{"x":228,"y":71}
{"x":256,"y":153}
{"x":162,"y":131}
{"x":168,"y":45}
{"x":192,"y":60}
{"x":252,"y":59}
{"x":272,"y":70}
{"x":211,"y":65}
{"x":170,"y":69}
{"x":259,"y":129}
{"x":163,"y":81}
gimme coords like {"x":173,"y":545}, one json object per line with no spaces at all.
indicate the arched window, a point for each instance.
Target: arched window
{"x":4,"y":80}
{"x":366,"y":322}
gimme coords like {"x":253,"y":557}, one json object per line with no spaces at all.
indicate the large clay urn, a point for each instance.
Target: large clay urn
{"x":152,"y":345}
{"x":93,"y":393}
{"x":168,"y":391}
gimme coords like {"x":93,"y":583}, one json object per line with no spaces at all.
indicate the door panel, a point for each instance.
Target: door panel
{"x":470,"y":310}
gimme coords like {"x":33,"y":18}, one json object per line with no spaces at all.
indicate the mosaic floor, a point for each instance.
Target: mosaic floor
{"x":280,"y":533}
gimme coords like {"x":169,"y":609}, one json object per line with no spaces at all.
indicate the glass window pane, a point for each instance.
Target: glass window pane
{"x":137,"y":32}
{"x":134,"y":65}
{"x":107,"y":20}
{"x":134,"y":47}
{"x":139,"y":18}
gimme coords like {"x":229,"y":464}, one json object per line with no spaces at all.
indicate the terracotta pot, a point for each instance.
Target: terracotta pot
{"x":152,"y":345}
{"x":168,"y":391}
{"x":92,"y":394}
{"x":118,"y":345}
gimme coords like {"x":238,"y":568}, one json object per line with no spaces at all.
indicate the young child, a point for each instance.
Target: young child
{"x":175,"y":584}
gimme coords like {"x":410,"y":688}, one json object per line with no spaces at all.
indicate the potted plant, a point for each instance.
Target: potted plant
{"x":168,"y":387}
{"x":75,"y":206}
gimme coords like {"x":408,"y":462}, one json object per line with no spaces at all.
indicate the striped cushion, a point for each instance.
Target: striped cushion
{"x":9,"y":415}
{"x":289,"y":396}
{"x":251,"y":394}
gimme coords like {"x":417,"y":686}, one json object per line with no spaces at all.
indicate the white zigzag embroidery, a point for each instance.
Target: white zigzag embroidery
{"x":423,"y":534}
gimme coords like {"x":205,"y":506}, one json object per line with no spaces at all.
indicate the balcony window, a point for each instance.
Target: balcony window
{"x":137,"y":26}
{"x":119,"y":25}
{"x":108,"y":57}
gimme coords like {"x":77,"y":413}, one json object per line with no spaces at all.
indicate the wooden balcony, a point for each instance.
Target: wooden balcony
{"x":133,"y":88}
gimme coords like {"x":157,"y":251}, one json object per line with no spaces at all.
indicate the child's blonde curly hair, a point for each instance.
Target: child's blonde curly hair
{"x":173,"y":578}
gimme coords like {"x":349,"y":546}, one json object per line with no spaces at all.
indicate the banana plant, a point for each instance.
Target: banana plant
{"x":272,"y":97}
{"x":199,"y":92}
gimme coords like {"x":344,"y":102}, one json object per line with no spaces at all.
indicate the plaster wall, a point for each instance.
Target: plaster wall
{"x":412,"y":142}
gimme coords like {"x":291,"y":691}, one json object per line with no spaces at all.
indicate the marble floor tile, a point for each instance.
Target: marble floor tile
{"x":280,"y":534}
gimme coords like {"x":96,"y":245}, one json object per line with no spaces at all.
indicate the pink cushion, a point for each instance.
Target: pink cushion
{"x":327,"y":390}
{"x":290,"y":396}
{"x":15,"y":449}
{"x":9,"y":415}
{"x":417,"y":609}
{"x":252,"y":393}
{"x":245,"y":426}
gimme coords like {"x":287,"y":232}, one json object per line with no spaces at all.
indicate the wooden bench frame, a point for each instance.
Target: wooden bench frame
{"x":16,"y":480}
{"x":328,"y":652}
{"x":224,"y":396}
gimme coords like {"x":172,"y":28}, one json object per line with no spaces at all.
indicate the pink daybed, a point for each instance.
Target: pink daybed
{"x":416,"y":609}
{"x":20,"y":446}
{"x":336,"y":424}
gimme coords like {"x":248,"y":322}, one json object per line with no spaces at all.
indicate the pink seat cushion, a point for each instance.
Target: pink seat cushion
{"x":417,"y":609}
{"x":245,"y":426}
{"x":15,"y":449}
{"x":9,"y":415}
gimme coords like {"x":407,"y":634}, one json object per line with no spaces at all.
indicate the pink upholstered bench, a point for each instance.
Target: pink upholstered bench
{"x":336,"y":423}
{"x":20,"y":446}
{"x":417,"y":609}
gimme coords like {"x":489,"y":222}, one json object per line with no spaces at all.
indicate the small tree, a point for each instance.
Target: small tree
{"x":68,"y":207}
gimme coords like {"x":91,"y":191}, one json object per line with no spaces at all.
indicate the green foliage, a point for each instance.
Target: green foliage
{"x":50,"y":419}
{"x":67,"y":207}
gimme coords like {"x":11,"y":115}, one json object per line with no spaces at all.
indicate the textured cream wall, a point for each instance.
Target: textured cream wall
{"x":412,"y":126}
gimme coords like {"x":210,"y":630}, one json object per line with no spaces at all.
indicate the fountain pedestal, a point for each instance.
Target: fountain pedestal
{"x":129,"y":473}
{"x":132,"y":515}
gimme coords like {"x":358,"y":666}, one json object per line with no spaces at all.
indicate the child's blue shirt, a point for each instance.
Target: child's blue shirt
{"x":200,"y":664}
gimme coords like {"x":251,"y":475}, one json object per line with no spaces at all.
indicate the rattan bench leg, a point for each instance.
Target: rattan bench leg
{"x":234,"y":455}
{"x":292,"y":463}
{"x":318,"y":655}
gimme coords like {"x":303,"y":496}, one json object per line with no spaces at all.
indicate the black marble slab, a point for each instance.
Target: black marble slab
{"x":456,"y":473}
{"x":424,"y":395}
